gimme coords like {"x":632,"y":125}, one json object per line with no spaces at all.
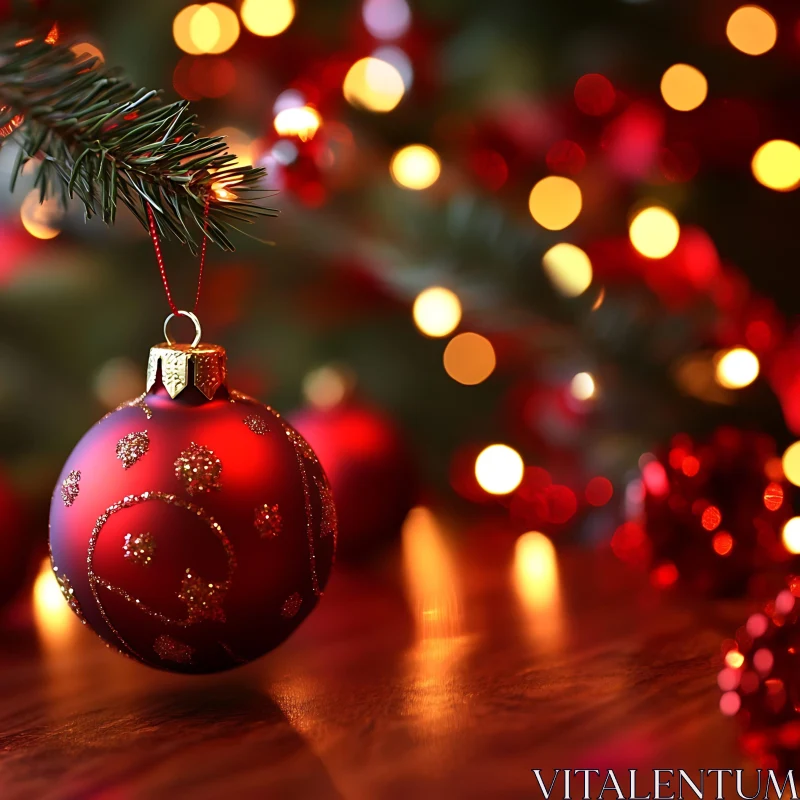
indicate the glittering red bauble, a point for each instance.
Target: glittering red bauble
{"x":760,"y":683}
{"x":714,"y":512}
{"x":370,"y":469}
{"x":192,"y":534}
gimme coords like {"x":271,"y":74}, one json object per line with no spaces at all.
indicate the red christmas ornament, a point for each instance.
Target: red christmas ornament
{"x":370,"y":470}
{"x":193,"y":528}
{"x":714,"y":512}
{"x":760,"y":683}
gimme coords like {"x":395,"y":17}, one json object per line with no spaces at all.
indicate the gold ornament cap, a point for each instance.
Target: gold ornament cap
{"x":182,"y":365}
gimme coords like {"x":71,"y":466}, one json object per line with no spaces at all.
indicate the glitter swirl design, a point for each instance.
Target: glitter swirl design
{"x":256,"y":424}
{"x":139,"y":549}
{"x":198,"y":469}
{"x":328,"y":524}
{"x":268,"y":521}
{"x":70,"y":488}
{"x":203,"y":598}
{"x":291,"y":605}
{"x":132,"y":447}
{"x":95,"y":581}
{"x":69,"y":594}
{"x":169,"y":649}
{"x":137,"y":402}
{"x":300,"y":444}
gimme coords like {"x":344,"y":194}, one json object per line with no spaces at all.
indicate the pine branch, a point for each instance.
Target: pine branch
{"x":98,"y":136}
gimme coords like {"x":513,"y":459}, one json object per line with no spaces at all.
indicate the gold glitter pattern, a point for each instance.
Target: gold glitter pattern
{"x":203,"y":598}
{"x":328,"y":525}
{"x":236,"y":396}
{"x":132,"y":447}
{"x":137,"y":402}
{"x":291,"y":605}
{"x":70,"y":487}
{"x":169,"y":649}
{"x":268,"y":521}
{"x":95,"y":581}
{"x":199,"y":469}
{"x":256,"y":424}
{"x":300,"y":444}
{"x":139,"y":549}
{"x":69,"y":594}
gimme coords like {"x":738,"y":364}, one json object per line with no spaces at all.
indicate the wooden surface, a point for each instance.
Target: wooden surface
{"x":449,"y":670}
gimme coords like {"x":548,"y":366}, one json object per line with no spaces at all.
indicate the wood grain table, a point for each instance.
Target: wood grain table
{"x":451,"y":668}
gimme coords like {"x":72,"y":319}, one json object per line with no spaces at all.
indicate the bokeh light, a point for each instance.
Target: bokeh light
{"x":181,"y":29}
{"x":373,"y":85}
{"x":228,"y":25}
{"x":582,"y":386}
{"x":210,"y":28}
{"x":594,"y":94}
{"x":55,"y":622}
{"x":499,"y":469}
{"x":327,"y":387}
{"x":791,"y":535}
{"x":654,"y":232}
{"x":204,"y":29}
{"x":568,"y":268}
{"x":267,"y":17}
{"x":776,"y":165}
{"x":555,"y":202}
{"x":437,"y":311}
{"x":301,"y":122}
{"x":386,"y":19}
{"x":683,"y":87}
{"x":469,"y":358}
{"x":736,"y":368}
{"x":791,"y":463}
{"x":415,"y":167}
{"x":399,"y":60}
{"x":711,"y":518}
{"x":599,"y":491}
{"x":722,"y":543}
{"x":752,"y":30}
{"x":41,"y":220}
{"x":88,"y":50}
{"x":773,"y":496}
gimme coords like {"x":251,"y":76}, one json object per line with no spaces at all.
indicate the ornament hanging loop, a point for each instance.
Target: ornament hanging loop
{"x":198,"y":331}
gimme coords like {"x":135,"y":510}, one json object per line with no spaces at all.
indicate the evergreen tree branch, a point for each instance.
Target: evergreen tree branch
{"x":97,"y":136}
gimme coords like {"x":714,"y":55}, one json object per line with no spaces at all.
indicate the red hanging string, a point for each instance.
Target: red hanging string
{"x":160,"y":256}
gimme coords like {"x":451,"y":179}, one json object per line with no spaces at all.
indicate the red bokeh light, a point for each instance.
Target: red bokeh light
{"x":711,"y":519}
{"x":566,"y":158}
{"x":664,"y":575}
{"x":655,"y":478}
{"x":490,"y":168}
{"x":630,"y":544}
{"x":773,"y":496}
{"x":690,"y":466}
{"x":722,"y":543}
{"x":594,"y":94}
{"x":599,"y":491}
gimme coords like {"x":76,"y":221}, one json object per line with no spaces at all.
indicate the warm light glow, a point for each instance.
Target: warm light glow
{"x":555,"y":202}
{"x":415,"y":167}
{"x":302,"y":122}
{"x":326,"y":387}
{"x":386,"y":19}
{"x":736,"y":368}
{"x":654,"y":232}
{"x":41,"y":219}
{"x":568,"y":268}
{"x":499,"y":469}
{"x":204,"y":29}
{"x":776,"y":165}
{"x":228,"y":28}
{"x":582,"y":386}
{"x":181,"y":32}
{"x":683,"y":87}
{"x":791,"y":463}
{"x":752,"y":30}
{"x":239,"y":143}
{"x":267,"y":17}
{"x":711,"y":518}
{"x":722,"y":543}
{"x":734,"y":659}
{"x":118,"y":380}
{"x":791,"y":535}
{"x":88,"y":50}
{"x":773,"y":497}
{"x":469,"y":358}
{"x":437,"y":311}
{"x":373,"y":85}
{"x":55,"y":622}
{"x":209,"y":28}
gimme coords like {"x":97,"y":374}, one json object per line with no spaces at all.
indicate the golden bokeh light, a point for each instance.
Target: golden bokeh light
{"x":205,"y":28}
{"x":791,"y":535}
{"x":88,"y":50}
{"x":555,"y":202}
{"x":327,"y":386}
{"x":437,"y":311}
{"x":752,"y":30}
{"x":302,"y":122}
{"x":415,"y":167}
{"x":683,"y":87}
{"x":791,"y":463}
{"x":55,"y":623}
{"x":536,"y":570}
{"x":736,"y":368}
{"x":373,"y":85}
{"x":228,"y":24}
{"x":469,"y":358}
{"x":776,"y":165}
{"x":654,"y":232}
{"x":267,"y":17}
{"x":582,"y":386}
{"x":499,"y":469}
{"x":181,"y":29}
{"x":41,"y":219}
{"x":568,"y":268}
{"x":239,"y":143}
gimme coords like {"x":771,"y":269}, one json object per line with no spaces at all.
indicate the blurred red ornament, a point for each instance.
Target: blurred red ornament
{"x":370,"y":470}
{"x":715,"y":511}
{"x":760,"y":683}
{"x":17,"y":543}
{"x":192,"y":534}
